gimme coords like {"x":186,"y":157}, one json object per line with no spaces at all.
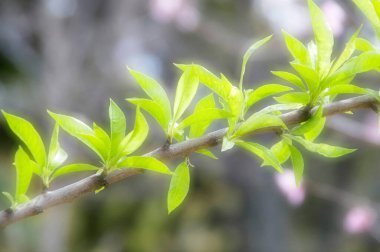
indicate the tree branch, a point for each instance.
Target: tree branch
{"x":90,"y":184}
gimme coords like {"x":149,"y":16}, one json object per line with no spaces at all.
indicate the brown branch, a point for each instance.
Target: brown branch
{"x":73,"y":191}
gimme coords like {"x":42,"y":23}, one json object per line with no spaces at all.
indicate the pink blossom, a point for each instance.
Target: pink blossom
{"x":335,"y":15}
{"x":286,"y":183}
{"x":359,"y":219}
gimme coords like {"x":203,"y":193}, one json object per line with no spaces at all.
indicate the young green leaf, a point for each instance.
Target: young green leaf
{"x":82,"y":132}
{"x":323,"y":149}
{"x":142,"y":162}
{"x":136,"y":137}
{"x":369,"y":10}
{"x":295,"y":97}
{"x":56,"y":154}
{"x":317,"y":130}
{"x":179,"y":186}
{"x":154,"y":109}
{"x":197,"y":129}
{"x":281,"y":151}
{"x":248,"y":54}
{"x":310,"y":124}
{"x":204,"y":118}
{"x":258,"y":121}
{"x":73,"y":168}
{"x":118,"y":125}
{"x":345,"y":89}
{"x":207,"y":153}
{"x":278,"y":108}
{"x":347,"y":52}
{"x":28,"y":135}
{"x":297,"y":49}
{"x":364,"y":45}
{"x":308,"y":74}
{"x":154,"y":90}
{"x":186,"y":90}
{"x":298,"y":164}
{"x":265,"y":91}
{"x":24,"y":168}
{"x":265,"y":154}
{"x":292,"y":78}
{"x":227,"y":144}
{"x":323,"y":37}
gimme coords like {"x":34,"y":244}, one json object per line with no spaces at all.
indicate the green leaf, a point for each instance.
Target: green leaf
{"x":297,"y":49}
{"x":364,"y":45}
{"x":248,"y":54}
{"x":198,"y":129}
{"x":317,"y":130}
{"x":154,"y":90}
{"x":279,"y":107}
{"x":265,"y":154}
{"x":147,"y":163}
{"x":308,"y":74}
{"x":29,"y":136}
{"x":227,"y":144}
{"x":206,"y":153}
{"x":186,"y":90}
{"x":179,"y":186}
{"x":235,"y":102}
{"x":292,"y":78}
{"x":82,"y":132}
{"x":347,"y":52}
{"x":154,"y":109}
{"x":73,"y":168}
{"x":323,"y":37}
{"x":369,"y":10}
{"x":118,"y":125}
{"x":102,"y":136}
{"x":295,"y":97}
{"x":56,"y":154}
{"x":310,"y":124}
{"x":281,"y":151}
{"x":258,"y":121}
{"x":323,"y":149}
{"x":136,"y":137}
{"x":265,"y":91}
{"x":221,"y":88}
{"x":24,"y":168}
{"x":345,"y":89}
{"x":298,"y":164}
{"x":203,"y":117}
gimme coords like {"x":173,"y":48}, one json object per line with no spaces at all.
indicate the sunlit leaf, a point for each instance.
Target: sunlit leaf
{"x":136,"y":137}
{"x":265,"y":91}
{"x":295,"y":97}
{"x":206,"y":153}
{"x":292,"y":78}
{"x":345,"y":89}
{"x":265,"y":154}
{"x":198,"y":129}
{"x":308,"y":74}
{"x":310,"y":124}
{"x":179,"y":186}
{"x":68,"y":169}
{"x":323,"y":37}
{"x":248,"y":54}
{"x":281,"y":151}
{"x":347,"y":52}
{"x":28,"y":135}
{"x":56,"y":154}
{"x":186,"y":90}
{"x":204,"y":117}
{"x":364,"y":45}
{"x":258,"y":121}
{"x":317,"y":130}
{"x":154,"y":109}
{"x":323,"y":149}
{"x":227,"y":144}
{"x":24,"y":170}
{"x":370,"y":12}
{"x":297,"y":49}
{"x":297,"y":162}
{"x":147,"y":163}
{"x":118,"y":125}
{"x":154,"y":90}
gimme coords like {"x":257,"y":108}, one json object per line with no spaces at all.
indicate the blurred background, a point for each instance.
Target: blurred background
{"x":70,"y":56}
